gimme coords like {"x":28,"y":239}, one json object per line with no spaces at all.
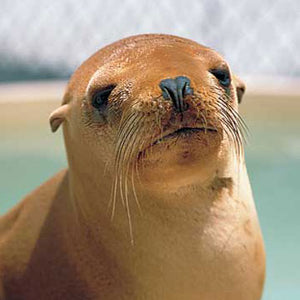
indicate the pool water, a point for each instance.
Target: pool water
{"x":29,"y":154}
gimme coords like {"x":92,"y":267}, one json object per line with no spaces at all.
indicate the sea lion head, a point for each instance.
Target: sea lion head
{"x":160,"y":106}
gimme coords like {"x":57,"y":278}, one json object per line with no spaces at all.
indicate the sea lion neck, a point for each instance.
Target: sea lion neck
{"x":92,"y":200}
{"x":181,"y":219}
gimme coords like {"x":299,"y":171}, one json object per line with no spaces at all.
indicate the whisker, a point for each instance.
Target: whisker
{"x":117,"y":179}
{"x":126,"y":147}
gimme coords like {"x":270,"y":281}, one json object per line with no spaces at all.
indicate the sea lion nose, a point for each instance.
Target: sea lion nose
{"x":176,"y":90}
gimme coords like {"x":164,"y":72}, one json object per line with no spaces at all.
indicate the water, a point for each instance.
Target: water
{"x":273,"y":166}
{"x":30,"y":154}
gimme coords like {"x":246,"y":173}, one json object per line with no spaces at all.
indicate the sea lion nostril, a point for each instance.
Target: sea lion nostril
{"x":176,"y":90}
{"x":169,"y":88}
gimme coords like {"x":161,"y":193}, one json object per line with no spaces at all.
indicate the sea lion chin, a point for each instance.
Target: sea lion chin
{"x":156,"y":201}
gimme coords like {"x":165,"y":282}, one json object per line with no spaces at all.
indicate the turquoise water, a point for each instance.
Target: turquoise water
{"x":273,"y":159}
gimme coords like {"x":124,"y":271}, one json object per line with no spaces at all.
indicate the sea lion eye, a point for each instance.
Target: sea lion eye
{"x":100,"y":98}
{"x":222,"y":75}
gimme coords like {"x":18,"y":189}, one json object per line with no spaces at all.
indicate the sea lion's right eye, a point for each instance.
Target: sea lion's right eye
{"x":100,"y":98}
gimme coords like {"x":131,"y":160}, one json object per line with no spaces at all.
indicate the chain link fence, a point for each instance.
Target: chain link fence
{"x":49,"y":39}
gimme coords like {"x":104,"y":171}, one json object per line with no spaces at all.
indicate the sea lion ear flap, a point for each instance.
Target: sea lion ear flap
{"x":240,"y":88}
{"x":58,"y":116}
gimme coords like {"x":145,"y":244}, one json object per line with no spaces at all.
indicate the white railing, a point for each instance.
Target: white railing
{"x":51,"y":38}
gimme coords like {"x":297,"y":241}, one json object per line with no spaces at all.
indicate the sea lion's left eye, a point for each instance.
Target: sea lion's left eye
{"x":223,"y":76}
{"x":100,"y":98}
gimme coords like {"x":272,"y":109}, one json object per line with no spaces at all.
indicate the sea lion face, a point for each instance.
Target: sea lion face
{"x":159,"y":104}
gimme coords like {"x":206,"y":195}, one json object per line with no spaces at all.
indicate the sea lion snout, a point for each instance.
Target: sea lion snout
{"x":176,"y":90}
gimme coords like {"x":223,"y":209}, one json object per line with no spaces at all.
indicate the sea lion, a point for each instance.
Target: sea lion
{"x":156,"y":201}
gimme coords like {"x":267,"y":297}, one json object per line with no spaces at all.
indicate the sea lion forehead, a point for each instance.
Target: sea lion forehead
{"x":145,"y":48}
{"x":134,"y":50}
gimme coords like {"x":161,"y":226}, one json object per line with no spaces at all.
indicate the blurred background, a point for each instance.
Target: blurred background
{"x":43,"y":42}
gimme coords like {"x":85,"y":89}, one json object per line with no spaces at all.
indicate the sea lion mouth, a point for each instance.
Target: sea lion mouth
{"x":180,"y":132}
{"x":183,"y":131}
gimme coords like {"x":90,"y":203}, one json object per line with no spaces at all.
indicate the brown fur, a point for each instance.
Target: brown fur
{"x":198,"y":235}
